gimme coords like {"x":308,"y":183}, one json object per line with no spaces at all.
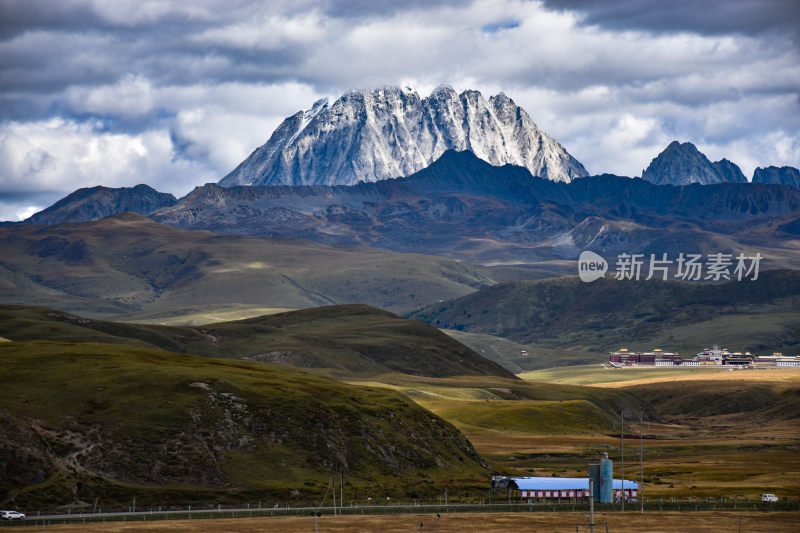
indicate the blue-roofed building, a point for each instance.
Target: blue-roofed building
{"x":549,"y":488}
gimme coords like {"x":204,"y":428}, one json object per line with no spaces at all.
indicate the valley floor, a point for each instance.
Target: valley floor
{"x":715,"y":433}
{"x":630,"y":522}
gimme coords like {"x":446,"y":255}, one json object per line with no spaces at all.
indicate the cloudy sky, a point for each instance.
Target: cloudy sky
{"x":176,"y":93}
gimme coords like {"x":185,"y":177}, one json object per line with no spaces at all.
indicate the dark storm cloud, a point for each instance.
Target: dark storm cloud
{"x":18,"y":17}
{"x":47,"y":46}
{"x":705,"y":17}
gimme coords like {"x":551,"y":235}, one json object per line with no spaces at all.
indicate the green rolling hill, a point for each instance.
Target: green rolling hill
{"x":565,"y":321}
{"x":129,"y":266}
{"x":346,"y":340}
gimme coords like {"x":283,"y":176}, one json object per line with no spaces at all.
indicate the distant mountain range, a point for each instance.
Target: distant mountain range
{"x":371,"y":136}
{"x":391,"y":132}
{"x":512,"y":195}
{"x":684,"y":164}
{"x":463,"y":207}
{"x":367,"y":136}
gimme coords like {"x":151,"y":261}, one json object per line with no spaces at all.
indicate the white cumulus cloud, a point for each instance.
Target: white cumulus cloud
{"x":62,"y":155}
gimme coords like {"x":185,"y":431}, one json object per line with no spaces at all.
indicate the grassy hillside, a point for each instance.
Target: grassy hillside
{"x":523,"y":427}
{"x":128,"y":264}
{"x":352,"y":340}
{"x":499,"y":392}
{"x":497,"y":349}
{"x":722,"y":397}
{"x":542,"y":417}
{"x":565,"y":321}
{"x":91,"y":420}
{"x":693,"y":392}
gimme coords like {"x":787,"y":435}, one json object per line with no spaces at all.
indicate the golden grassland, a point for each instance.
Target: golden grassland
{"x":606,"y":376}
{"x":630,"y":522}
{"x":212,"y":314}
{"x":739,"y":451}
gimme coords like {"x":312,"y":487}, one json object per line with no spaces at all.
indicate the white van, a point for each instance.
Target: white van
{"x":769,"y":498}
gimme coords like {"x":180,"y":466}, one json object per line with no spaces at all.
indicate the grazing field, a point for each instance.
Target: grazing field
{"x":706,"y":432}
{"x":604,"y":375}
{"x":566,"y":522}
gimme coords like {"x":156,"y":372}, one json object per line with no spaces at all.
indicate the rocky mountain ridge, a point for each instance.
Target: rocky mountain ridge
{"x":92,"y":203}
{"x":777,"y":175}
{"x":462,"y":207}
{"x":684,"y":164}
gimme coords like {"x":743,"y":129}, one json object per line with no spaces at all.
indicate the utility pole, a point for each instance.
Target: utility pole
{"x":591,"y":505}
{"x":641,"y":459}
{"x":622,"y":456}
{"x":333,"y":482}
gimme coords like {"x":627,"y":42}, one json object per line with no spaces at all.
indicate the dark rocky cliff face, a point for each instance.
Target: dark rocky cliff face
{"x":730,"y":171}
{"x":777,"y":175}
{"x":684,"y":164}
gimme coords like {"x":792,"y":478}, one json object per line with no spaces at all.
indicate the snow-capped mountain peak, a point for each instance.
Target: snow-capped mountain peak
{"x":389,"y":132}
